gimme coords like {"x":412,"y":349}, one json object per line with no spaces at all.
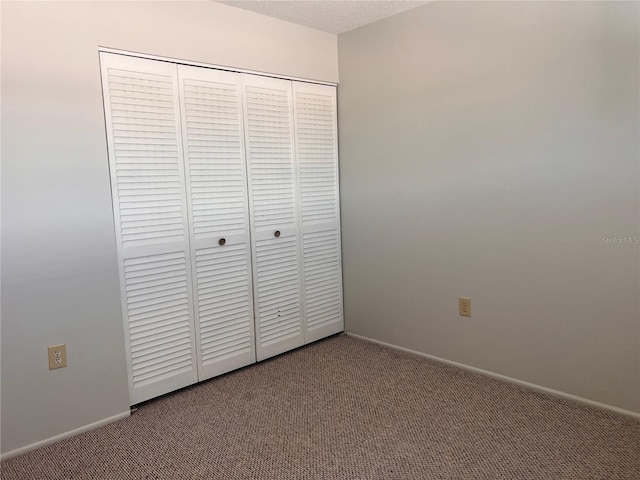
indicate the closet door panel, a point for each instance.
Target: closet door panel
{"x":317,"y":165}
{"x":219,"y":219}
{"x":149,"y":202}
{"x":274,"y":214}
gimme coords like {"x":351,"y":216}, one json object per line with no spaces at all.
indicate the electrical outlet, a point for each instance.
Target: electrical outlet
{"x":57,"y":356}
{"x":464,"y":304}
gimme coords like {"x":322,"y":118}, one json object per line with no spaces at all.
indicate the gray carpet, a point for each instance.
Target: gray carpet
{"x":347,"y":409}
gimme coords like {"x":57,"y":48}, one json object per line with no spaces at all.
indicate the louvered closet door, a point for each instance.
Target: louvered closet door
{"x":149,"y":202}
{"x":317,"y":163}
{"x":219,"y":218}
{"x":273,"y":207}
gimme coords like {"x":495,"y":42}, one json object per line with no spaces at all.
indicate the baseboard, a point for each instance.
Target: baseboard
{"x":62,"y":436}
{"x":532,"y":386}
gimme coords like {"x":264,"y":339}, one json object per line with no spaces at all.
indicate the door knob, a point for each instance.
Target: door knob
{"x":222,"y":241}
{"x":277,"y":233}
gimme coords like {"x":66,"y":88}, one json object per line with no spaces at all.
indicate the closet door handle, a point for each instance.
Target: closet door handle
{"x":222,"y":241}
{"x":277,"y":233}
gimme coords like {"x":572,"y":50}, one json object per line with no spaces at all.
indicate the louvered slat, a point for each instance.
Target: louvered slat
{"x":148,"y":170}
{"x":213,"y":133}
{"x":150,"y":211}
{"x":316,"y":154}
{"x":322,"y":289}
{"x":159,"y":325}
{"x":213,"y":129}
{"x":278,"y":285}
{"x":223,"y":299}
{"x":269,"y":143}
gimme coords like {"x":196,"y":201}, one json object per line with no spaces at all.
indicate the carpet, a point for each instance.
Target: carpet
{"x":344,"y":408}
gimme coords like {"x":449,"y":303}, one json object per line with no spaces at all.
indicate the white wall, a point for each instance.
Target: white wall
{"x":486,"y":148}
{"x":59,"y":270}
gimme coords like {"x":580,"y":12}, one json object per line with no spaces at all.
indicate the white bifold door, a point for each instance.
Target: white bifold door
{"x":218,"y":218}
{"x":225,"y":196}
{"x":319,"y":217}
{"x":274,"y":213}
{"x":152,"y":229}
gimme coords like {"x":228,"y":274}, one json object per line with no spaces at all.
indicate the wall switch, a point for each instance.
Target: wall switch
{"x":464,"y":304}
{"x":57,"y":356}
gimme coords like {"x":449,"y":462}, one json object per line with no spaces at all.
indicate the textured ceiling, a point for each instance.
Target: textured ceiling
{"x":332,"y":16}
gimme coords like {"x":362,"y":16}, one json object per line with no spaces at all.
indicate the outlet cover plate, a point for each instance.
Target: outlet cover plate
{"x":464,"y":304}
{"x":57,"y":356}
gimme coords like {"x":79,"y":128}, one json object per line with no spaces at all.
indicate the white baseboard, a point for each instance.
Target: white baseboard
{"x":532,"y":386}
{"x":62,"y":436}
